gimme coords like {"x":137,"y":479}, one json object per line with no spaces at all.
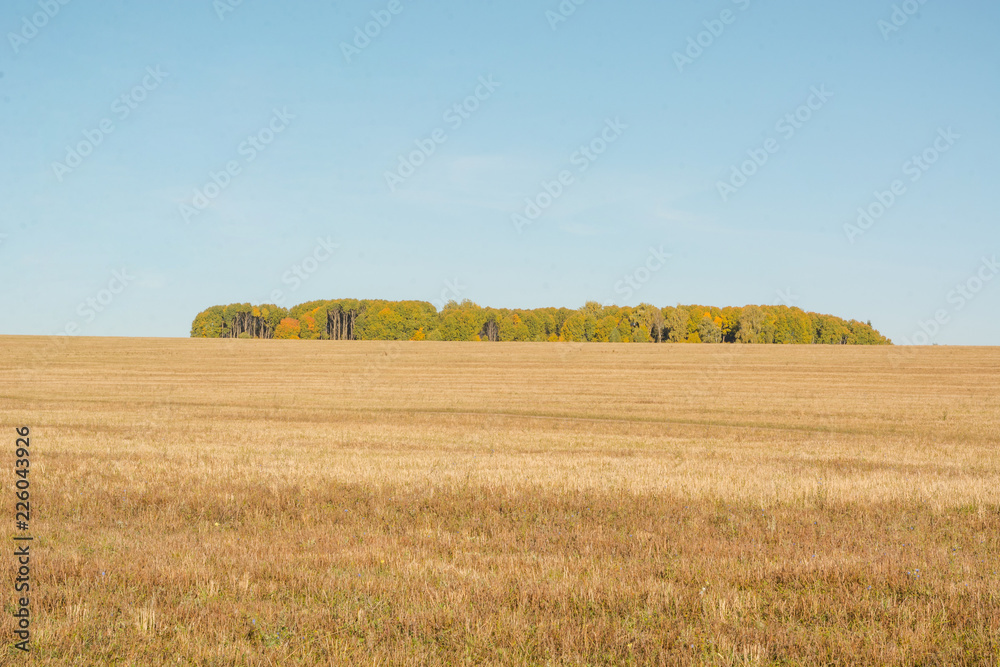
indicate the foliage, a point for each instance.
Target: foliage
{"x":467,"y":321}
{"x":287,"y":329}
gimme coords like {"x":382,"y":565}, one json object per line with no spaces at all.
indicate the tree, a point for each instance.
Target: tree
{"x":676,"y":324}
{"x":603,"y":329}
{"x":641,"y":335}
{"x":386,"y":324}
{"x":461,"y":321}
{"x":288,"y":329}
{"x":709,"y":330}
{"x":574,"y":329}
{"x":352,"y":319}
{"x":751,"y":322}
{"x":310,"y":328}
{"x":831,"y":331}
{"x":730,"y":323}
{"x":209,"y":323}
{"x":653,"y":321}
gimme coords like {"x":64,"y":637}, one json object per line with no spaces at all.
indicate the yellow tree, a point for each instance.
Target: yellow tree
{"x":288,"y":329}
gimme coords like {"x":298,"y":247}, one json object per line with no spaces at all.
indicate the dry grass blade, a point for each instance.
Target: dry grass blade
{"x":268,"y":502}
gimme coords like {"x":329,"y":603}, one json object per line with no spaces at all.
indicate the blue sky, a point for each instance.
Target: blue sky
{"x":200,"y":79}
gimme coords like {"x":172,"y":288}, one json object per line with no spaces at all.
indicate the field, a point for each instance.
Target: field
{"x":310,"y":502}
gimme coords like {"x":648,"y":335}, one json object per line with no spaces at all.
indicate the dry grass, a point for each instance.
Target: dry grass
{"x":271,"y":502}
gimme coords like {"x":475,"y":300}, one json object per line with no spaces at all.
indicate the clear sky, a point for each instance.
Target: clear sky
{"x":115,"y":113}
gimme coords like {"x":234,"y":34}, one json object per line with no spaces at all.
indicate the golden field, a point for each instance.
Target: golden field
{"x":219,"y":502}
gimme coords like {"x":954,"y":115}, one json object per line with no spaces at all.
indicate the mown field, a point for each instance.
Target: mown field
{"x":220,"y":502}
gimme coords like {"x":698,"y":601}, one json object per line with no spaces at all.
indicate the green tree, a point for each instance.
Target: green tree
{"x":676,"y":324}
{"x":209,"y":323}
{"x":376,"y":319}
{"x":603,"y":329}
{"x":462,"y":322}
{"x":386,"y":324}
{"x":708,"y":330}
{"x":751,"y":324}
{"x":574,"y":329}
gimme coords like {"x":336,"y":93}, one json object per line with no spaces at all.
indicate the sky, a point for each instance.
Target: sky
{"x":160,"y":158}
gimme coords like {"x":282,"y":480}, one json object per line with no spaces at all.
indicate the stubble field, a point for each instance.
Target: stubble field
{"x":221,"y":502}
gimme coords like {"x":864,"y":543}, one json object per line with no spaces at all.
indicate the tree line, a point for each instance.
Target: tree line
{"x":373,"y":319}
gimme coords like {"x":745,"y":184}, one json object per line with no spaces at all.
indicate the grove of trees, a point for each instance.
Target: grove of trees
{"x":352,"y":319}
